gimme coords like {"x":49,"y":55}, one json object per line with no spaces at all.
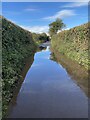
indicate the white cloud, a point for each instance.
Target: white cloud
{"x":36,"y":29}
{"x":61,"y":14}
{"x":30,"y":9}
{"x":39,"y":29}
{"x":63,"y":29}
{"x":76,"y":4}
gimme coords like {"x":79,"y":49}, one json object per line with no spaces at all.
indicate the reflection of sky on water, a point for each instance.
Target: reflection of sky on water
{"x":48,"y":91}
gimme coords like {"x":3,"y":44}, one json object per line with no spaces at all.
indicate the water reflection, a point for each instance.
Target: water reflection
{"x":77,"y":72}
{"x":27,"y":66}
{"x":48,"y":92}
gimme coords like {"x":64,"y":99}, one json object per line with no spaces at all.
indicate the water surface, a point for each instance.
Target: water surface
{"x":48,"y":91}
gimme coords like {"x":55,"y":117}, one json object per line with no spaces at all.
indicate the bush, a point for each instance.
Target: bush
{"x":73,"y":43}
{"x":17,"y":45}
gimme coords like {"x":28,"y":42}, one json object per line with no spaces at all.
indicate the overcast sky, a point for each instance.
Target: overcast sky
{"x":35,"y":16}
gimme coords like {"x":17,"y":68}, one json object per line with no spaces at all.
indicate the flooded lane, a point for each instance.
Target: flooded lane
{"x":49,"y":92}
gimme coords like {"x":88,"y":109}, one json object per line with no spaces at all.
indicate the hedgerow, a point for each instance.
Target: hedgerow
{"x":74,"y":44}
{"x":17,"y":45}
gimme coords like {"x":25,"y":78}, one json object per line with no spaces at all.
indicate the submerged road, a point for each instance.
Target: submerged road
{"x":49,"y":92}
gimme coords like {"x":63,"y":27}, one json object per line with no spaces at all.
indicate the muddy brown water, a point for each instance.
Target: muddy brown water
{"x":49,"y":91}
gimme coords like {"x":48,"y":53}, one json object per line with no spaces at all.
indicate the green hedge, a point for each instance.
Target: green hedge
{"x":40,"y":38}
{"x":73,"y":43}
{"x":17,"y":45}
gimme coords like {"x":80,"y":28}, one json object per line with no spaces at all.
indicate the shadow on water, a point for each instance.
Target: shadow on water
{"x":77,"y":72}
{"x":28,"y":63}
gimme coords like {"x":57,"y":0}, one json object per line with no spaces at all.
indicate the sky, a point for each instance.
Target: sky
{"x":36,"y":16}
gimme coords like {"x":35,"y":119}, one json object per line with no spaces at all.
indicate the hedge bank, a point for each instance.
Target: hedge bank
{"x":74,"y":44}
{"x":17,"y":45}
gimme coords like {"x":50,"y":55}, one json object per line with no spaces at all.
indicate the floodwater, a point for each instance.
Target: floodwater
{"x":48,"y":91}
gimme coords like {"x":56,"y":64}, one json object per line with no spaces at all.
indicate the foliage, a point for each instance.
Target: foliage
{"x":73,"y":43}
{"x":55,"y":26}
{"x":40,"y":38}
{"x":17,"y":44}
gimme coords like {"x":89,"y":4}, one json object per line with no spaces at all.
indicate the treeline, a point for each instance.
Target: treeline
{"x":40,"y":38}
{"x":73,"y":43}
{"x":17,"y":45}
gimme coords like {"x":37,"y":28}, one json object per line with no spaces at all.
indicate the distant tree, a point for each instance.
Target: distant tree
{"x":41,"y":38}
{"x":55,"y":26}
{"x":51,"y":32}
